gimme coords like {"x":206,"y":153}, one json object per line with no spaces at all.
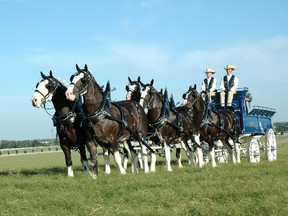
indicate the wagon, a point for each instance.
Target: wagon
{"x":254,"y":124}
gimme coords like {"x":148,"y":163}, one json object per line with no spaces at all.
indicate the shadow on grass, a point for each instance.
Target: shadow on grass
{"x":50,"y":171}
{"x":32,"y":172}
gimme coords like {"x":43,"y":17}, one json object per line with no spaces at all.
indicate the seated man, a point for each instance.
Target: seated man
{"x":209,"y":85}
{"x":228,"y":85}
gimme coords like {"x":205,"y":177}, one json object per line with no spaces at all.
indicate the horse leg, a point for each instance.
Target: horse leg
{"x":132,"y":155}
{"x":94,"y":159}
{"x":117,"y":158}
{"x":212,"y":153}
{"x":125,"y":158}
{"x":199,"y":152}
{"x":144,"y":158}
{"x":189,"y":152}
{"x":140,"y":160}
{"x":167,"y":157}
{"x":228,"y":144}
{"x":153,"y":162}
{"x":106,"y":155}
{"x":237,"y":150}
{"x":68,"y":160}
{"x":139,"y":156}
{"x":178,"y":157}
{"x":84,"y":160}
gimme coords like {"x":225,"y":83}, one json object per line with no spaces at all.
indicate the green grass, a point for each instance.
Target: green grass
{"x":38,"y":185}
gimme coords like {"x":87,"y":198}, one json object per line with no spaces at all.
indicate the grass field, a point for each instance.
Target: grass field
{"x":37,"y":185}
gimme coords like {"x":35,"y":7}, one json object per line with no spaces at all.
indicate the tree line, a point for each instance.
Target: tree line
{"x":281,"y":127}
{"x":7,"y":144}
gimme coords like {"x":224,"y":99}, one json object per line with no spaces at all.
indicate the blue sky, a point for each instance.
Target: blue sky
{"x":169,"y":41}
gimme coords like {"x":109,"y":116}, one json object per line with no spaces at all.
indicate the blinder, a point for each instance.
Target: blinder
{"x":51,"y":84}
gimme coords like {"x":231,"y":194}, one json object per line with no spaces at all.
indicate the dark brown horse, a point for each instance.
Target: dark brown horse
{"x":109,"y":123}
{"x":171,"y":126}
{"x":213,"y":125}
{"x":67,"y":122}
{"x":134,"y":93}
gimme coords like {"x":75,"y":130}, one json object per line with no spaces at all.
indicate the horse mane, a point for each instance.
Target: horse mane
{"x":61,"y":83}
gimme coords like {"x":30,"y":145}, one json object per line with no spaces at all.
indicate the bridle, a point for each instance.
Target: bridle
{"x":151,"y":93}
{"x":51,"y":84}
{"x":85,"y":80}
{"x":128,"y":89}
{"x":192,"y":95}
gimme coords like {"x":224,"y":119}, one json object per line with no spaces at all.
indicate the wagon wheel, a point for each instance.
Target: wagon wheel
{"x":254,"y":151}
{"x":270,"y":145}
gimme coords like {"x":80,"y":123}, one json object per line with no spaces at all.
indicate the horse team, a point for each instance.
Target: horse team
{"x":147,"y":117}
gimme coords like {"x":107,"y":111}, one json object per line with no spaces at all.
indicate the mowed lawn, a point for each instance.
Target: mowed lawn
{"x":38,"y":185}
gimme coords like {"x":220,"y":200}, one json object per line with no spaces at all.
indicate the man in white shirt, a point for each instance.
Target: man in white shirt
{"x":209,"y":84}
{"x":228,"y":85}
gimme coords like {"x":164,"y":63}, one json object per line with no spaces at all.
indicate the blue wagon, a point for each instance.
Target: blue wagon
{"x":254,"y":124}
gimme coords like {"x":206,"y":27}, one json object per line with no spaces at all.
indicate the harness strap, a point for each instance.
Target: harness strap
{"x":123,"y":120}
{"x":221,"y":128}
{"x":65,"y":120}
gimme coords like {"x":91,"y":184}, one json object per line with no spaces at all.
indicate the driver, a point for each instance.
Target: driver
{"x":228,"y":85}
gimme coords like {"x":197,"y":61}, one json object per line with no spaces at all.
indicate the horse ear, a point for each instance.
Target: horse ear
{"x":77,"y":68}
{"x":195,"y":86}
{"x":129,"y":79}
{"x":42,"y":75}
{"x":142,"y":84}
{"x":190,"y":88}
{"x":166,"y":93}
{"x":152,"y":82}
{"x":50,"y":74}
{"x":138,"y":80}
{"x":86,"y":67}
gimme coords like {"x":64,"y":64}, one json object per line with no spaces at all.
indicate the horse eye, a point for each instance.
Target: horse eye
{"x":48,"y":86}
{"x":84,"y":79}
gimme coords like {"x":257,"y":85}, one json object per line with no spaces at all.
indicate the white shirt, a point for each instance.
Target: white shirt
{"x":214,"y":84}
{"x":234,"y":87}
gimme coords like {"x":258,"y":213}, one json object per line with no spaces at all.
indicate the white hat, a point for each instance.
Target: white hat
{"x":230,"y":66}
{"x":209,"y":70}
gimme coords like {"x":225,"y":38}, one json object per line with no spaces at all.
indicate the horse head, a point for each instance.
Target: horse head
{"x":45,"y":89}
{"x":79,"y":82}
{"x":133,"y":89}
{"x":149,"y":95}
{"x":190,"y":96}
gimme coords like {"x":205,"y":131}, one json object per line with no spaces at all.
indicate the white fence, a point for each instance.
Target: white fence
{"x":29,"y":150}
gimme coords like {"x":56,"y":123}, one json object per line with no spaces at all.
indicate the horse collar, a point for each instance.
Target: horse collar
{"x":65,"y":120}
